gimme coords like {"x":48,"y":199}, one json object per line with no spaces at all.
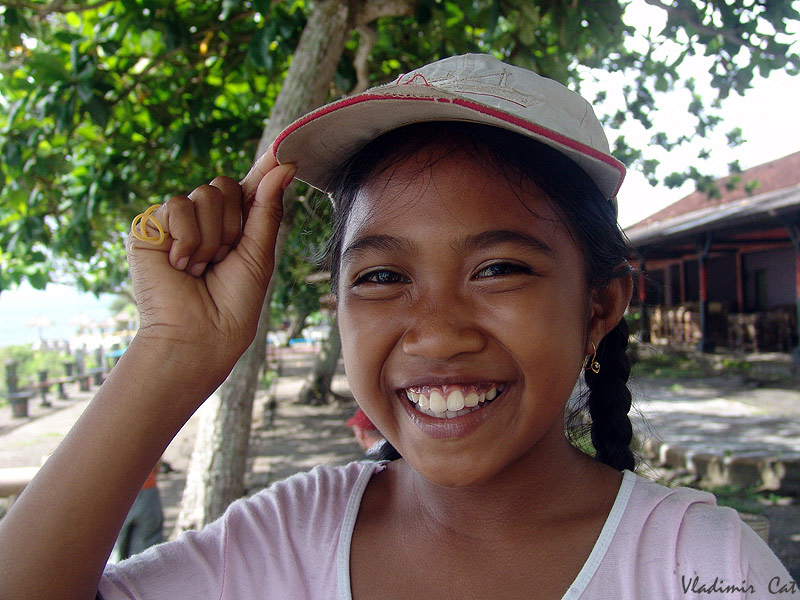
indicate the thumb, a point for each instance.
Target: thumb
{"x":260,"y":231}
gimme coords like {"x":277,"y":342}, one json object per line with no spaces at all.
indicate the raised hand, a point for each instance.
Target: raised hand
{"x":203,"y":286}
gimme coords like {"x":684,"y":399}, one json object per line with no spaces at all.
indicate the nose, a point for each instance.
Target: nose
{"x":442,"y":332}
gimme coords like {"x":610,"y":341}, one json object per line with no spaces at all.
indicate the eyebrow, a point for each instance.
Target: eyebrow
{"x":486,"y":239}
{"x":497,"y":237}
{"x":379,"y":243}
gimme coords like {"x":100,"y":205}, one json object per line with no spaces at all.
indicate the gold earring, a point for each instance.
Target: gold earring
{"x":591,"y":363}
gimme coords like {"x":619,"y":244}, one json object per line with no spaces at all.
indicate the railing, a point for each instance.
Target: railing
{"x":75,"y":372}
{"x":766,"y":331}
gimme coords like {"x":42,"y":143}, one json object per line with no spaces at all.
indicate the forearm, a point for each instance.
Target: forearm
{"x":56,"y":538}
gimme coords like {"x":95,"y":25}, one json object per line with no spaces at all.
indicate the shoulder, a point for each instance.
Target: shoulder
{"x":672,"y":542}
{"x":282,"y":539}
{"x":678,"y":519}
{"x":324,"y":478}
{"x":321,"y":494}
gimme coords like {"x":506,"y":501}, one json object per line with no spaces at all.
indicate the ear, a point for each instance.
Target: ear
{"x":607,"y":306}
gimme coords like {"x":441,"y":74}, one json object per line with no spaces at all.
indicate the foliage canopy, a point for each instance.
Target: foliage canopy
{"x":113,"y":104}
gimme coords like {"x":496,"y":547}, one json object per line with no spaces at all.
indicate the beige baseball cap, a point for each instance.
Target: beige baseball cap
{"x":475,"y":88}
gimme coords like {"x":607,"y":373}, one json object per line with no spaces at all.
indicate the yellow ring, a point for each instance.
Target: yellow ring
{"x":141,"y":220}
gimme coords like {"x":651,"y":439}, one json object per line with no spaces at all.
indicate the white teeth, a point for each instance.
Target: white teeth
{"x":423,"y":401}
{"x":455,"y":401}
{"x":455,"y":404}
{"x":437,"y":402}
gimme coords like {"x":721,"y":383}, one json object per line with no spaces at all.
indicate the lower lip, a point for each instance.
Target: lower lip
{"x":451,"y":428}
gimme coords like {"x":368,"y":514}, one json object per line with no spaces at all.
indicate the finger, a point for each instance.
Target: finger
{"x":207,"y":201}
{"x":262,"y":165}
{"x":182,"y":226}
{"x":260,"y":231}
{"x":231,"y":215}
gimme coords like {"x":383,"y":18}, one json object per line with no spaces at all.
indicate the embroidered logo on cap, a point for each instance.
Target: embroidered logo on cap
{"x":493,"y":85}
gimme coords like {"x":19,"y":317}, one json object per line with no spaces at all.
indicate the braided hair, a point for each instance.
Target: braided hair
{"x":588,"y":215}
{"x":609,"y":401}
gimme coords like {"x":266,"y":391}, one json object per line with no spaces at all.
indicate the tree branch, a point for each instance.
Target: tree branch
{"x":366,"y":42}
{"x":43,"y":10}
{"x":692,"y":21}
{"x":371,"y":10}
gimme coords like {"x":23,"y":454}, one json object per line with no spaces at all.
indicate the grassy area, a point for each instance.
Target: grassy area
{"x":668,"y":363}
{"x":748,"y":499}
{"x":745,"y":500}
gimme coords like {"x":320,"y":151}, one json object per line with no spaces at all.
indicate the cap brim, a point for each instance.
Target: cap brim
{"x":324,"y":139}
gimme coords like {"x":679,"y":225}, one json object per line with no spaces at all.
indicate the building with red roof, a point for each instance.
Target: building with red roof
{"x":723,"y":269}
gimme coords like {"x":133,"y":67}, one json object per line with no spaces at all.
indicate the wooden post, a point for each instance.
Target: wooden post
{"x":80,"y":370}
{"x":644,"y":320}
{"x":739,"y":283}
{"x":45,"y":403}
{"x":794,"y":234}
{"x":16,"y":398}
{"x":101,"y":366}
{"x":703,"y":246}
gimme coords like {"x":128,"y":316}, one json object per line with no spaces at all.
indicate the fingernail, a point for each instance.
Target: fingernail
{"x":220,"y":254}
{"x":288,"y":178}
{"x":182,"y":262}
{"x":197,"y":270}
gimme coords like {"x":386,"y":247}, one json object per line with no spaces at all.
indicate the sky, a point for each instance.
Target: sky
{"x":767,"y":115}
{"x":770,"y":124}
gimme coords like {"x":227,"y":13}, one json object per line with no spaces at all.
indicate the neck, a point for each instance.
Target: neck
{"x":525,"y":496}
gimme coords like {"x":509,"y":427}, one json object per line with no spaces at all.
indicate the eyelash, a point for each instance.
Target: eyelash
{"x":371,"y":276}
{"x":389,"y":277}
{"x":506,"y":268}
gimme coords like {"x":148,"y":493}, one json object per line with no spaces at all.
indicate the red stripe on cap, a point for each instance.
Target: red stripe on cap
{"x":548,"y":133}
{"x":481,"y":108}
{"x":334,"y":106}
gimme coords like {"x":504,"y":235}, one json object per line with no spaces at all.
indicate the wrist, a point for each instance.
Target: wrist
{"x":184,"y":370}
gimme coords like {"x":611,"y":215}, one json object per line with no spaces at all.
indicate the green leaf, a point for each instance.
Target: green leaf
{"x":259,"y":51}
{"x":85,"y":91}
{"x":99,"y":110}
{"x":12,"y":154}
{"x":48,"y":68}
{"x":38,"y":280}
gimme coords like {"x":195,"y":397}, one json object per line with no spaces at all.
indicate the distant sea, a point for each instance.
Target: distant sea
{"x":61,"y":304}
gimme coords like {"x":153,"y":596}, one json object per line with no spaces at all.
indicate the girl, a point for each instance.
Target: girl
{"x":478,"y":270}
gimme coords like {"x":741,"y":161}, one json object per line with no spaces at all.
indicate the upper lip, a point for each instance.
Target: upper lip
{"x":453,"y":379}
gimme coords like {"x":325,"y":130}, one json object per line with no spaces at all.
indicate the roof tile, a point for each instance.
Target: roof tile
{"x":774,"y":175}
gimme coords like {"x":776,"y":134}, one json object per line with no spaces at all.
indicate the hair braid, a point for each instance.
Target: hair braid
{"x":610,"y":401}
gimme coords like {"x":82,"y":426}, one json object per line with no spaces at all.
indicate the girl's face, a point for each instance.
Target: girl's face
{"x":452,"y":292}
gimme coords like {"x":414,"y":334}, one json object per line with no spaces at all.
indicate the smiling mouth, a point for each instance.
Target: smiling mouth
{"x":451,"y":401}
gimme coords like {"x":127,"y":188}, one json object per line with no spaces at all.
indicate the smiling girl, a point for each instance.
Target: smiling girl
{"x":478,"y":270}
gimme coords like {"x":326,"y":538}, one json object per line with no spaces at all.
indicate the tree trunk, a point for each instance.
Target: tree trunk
{"x":216,"y":472}
{"x":298,"y":324}
{"x":317,"y":387}
{"x":217,"y":468}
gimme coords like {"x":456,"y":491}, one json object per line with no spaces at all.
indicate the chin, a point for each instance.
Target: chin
{"x":454,"y":474}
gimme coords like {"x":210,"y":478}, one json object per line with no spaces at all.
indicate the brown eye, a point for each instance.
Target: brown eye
{"x":381,"y":277}
{"x":502,"y":268}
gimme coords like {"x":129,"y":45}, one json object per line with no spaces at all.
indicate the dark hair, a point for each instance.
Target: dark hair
{"x":590,"y":218}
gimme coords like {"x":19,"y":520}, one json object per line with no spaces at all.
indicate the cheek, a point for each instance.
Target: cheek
{"x":366,"y":344}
